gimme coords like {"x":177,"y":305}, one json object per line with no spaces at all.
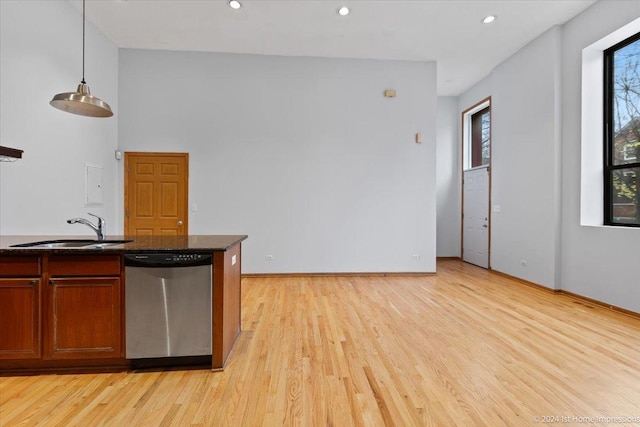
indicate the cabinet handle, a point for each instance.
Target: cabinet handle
{"x":51,"y":282}
{"x":33,"y":282}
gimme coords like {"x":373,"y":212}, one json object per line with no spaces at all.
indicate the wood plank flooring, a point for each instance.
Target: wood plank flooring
{"x":465,"y":347}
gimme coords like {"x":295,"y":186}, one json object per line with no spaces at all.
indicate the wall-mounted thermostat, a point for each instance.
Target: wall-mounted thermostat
{"x":390,"y":93}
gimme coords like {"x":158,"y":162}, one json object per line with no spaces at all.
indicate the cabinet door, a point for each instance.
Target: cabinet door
{"x":19,"y":318}
{"x":83,"y":318}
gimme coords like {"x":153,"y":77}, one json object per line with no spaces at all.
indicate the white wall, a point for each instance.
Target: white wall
{"x":448,"y":178}
{"x":41,"y":55}
{"x":475,"y":94}
{"x":597,"y":262}
{"x":304,"y":155}
{"x":526,"y":160}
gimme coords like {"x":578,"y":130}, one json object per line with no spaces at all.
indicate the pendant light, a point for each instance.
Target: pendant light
{"x":81,"y":101}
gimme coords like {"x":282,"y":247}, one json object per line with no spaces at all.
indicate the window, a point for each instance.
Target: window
{"x":480,"y":137}
{"x":476,"y":135}
{"x":622,"y":133}
{"x":630,"y":153}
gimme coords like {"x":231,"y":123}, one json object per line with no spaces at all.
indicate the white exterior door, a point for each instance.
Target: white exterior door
{"x":475,"y":220}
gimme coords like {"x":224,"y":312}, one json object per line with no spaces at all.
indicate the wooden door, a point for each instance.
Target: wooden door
{"x":156,"y":194}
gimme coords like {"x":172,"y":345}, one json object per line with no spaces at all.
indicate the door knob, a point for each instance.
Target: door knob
{"x":179,"y":222}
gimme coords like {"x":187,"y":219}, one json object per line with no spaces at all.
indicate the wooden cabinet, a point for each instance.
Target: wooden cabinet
{"x":20,"y":290}
{"x":83,"y":307}
{"x":61,"y":307}
{"x":20,"y":318}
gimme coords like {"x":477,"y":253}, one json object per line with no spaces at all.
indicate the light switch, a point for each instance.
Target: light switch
{"x":194,"y":207}
{"x":233,"y":260}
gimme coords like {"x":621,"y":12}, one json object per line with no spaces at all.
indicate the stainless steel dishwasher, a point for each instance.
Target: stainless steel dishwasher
{"x":168,"y":304}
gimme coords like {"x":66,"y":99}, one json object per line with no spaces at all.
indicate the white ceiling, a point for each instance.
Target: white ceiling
{"x":446,"y":31}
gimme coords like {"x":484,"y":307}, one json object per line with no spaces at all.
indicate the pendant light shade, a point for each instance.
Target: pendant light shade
{"x":81,"y":102}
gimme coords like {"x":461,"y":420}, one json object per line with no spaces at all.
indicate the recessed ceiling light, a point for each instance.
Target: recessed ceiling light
{"x":234,"y":4}
{"x":489,"y":19}
{"x":343,"y":11}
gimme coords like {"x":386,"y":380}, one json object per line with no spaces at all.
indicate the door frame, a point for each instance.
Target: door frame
{"x":127,"y":156}
{"x":466,"y":118}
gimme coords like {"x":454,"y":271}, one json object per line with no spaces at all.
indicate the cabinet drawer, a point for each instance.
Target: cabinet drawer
{"x":19,"y":266}
{"x":84,"y":265}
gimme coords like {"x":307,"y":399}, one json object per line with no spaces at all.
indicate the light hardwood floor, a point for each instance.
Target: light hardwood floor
{"x":465,"y":347}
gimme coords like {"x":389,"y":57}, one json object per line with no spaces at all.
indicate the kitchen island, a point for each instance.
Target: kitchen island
{"x":63,"y":308}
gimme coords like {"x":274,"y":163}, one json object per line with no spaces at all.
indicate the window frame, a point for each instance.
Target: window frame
{"x":609,"y":141}
{"x":466,"y":132}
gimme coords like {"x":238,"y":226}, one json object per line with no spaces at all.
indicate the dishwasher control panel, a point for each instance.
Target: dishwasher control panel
{"x":168,"y":259}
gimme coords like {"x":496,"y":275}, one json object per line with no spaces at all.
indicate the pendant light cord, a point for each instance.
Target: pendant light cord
{"x":83,"y":19}
{"x":81,"y":102}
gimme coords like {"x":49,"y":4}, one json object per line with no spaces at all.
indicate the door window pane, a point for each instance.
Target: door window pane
{"x":481,"y":138}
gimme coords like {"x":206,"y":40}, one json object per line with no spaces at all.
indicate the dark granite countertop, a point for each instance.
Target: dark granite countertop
{"x":190,"y":243}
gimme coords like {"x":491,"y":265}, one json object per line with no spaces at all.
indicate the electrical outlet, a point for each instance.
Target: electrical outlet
{"x":523,"y":263}
{"x":415,"y":257}
{"x":268,"y":257}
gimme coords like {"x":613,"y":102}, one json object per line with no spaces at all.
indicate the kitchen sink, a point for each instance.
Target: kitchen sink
{"x":70,"y":243}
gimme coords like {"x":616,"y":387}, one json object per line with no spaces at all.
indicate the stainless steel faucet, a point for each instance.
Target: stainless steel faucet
{"x":99,"y":229}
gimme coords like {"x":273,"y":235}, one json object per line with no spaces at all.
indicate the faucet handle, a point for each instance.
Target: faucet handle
{"x":100,"y":219}
{"x":101,"y":226}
